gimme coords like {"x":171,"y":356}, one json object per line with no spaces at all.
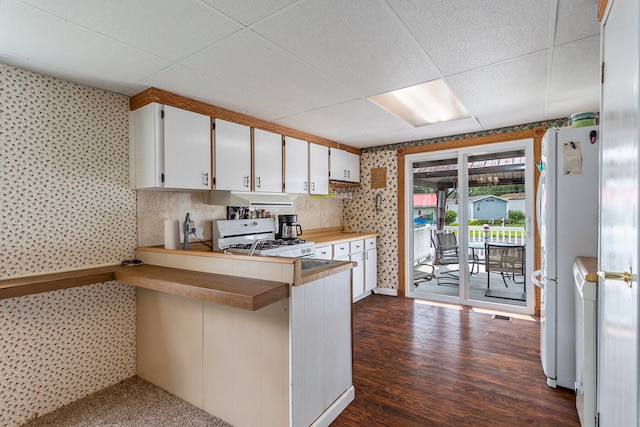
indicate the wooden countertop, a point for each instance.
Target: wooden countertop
{"x":326,"y":236}
{"x":239,"y":292}
{"x":588,"y":267}
{"x":244,"y":293}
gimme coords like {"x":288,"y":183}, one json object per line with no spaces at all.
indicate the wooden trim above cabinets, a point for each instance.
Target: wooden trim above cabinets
{"x":167,"y":98}
{"x":602,"y":6}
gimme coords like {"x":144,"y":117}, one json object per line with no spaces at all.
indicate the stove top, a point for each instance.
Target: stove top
{"x":268,"y":244}
{"x":237,"y":236}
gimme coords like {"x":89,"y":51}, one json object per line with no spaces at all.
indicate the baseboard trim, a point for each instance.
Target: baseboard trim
{"x":386,"y":291}
{"x":336,"y":408}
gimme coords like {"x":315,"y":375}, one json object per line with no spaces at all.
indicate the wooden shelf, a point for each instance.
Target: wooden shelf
{"x":21,"y":286}
{"x":244,"y":293}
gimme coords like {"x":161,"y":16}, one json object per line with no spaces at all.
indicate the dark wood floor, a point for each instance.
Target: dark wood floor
{"x":423,"y":365}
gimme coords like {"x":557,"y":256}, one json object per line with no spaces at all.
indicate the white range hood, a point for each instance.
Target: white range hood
{"x":249,"y":199}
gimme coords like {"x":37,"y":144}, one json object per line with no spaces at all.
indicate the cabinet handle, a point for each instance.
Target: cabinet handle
{"x":366,"y":255}
{"x":306,"y":185}
{"x":206,"y":179}
{"x":246,"y":181}
{"x":313,"y":186}
{"x":345,"y":173}
{"x":259,"y":184}
{"x":348,"y":174}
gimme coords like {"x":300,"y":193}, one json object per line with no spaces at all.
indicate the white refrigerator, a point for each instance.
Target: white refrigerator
{"x":567,"y":209}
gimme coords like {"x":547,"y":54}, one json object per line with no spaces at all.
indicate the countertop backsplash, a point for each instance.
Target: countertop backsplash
{"x":156,"y":206}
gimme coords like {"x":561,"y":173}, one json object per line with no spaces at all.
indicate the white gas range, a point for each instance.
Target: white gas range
{"x":257,"y":237}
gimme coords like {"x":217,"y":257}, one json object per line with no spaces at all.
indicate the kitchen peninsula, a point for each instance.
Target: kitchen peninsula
{"x":286,"y":361}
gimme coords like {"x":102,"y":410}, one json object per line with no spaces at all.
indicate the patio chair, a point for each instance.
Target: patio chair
{"x":419,"y":273}
{"x":507,"y":260}
{"x":446,"y":247}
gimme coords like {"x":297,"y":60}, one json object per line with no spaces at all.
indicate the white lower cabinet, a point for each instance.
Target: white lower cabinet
{"x":370,"y":264}
{"x":324,"y":252}
{"x":364,"y":275}
{"x":356,"y":254}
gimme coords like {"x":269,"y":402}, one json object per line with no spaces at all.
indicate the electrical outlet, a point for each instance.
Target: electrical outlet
{"x":192,"y":230}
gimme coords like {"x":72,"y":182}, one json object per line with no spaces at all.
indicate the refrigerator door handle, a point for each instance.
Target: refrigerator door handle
{"x":541,"y":184}
{"x":536,"y":278}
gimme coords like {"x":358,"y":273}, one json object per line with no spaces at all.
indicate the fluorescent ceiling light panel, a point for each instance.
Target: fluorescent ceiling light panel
{"x":423,"y":104}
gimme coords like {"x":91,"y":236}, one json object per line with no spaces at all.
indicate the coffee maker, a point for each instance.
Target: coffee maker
{"x":287,"y":227}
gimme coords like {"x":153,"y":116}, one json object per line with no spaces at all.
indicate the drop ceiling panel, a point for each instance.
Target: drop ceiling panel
{"x":249,"y":11}
{"x":169,"y":29}
{"x":568,"y":107}
{"x":415,"y":134}
{"x":496,"y":88}
{"x":460,"y":35}
{"x":576,"y":69}
{"x":97,"y":56}
{"x":530,"y":113}
{"x":258,"y":66}
{"x":353,"y":118}
{"x":360,"y":43}
{"x":194,"y":84}
{"x":576,"y":19}
{"x":310,"y":64}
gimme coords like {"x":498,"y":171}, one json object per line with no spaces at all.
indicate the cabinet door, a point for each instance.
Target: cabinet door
{"x":146,"y":147}
{"x":187,"y":149}
{"x":232,"y":156}
{"x":357,"y":274}
{"x":267,"y":161}
{"x":318,"y":169}
{"x":353,"y":167}
{"x":323,"y":252}
{"x":296,"y":166}
{"x":370,"y":269}
{"x":337,"y":164}
{"x":344,"y":166}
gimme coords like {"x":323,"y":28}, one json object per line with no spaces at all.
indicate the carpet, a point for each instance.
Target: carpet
{"x":132,"y":402}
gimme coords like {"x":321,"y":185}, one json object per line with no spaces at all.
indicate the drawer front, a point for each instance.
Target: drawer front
{"x":340,"y":250}
{"x":356,"y":246}
{"x":370,"y":243}
{"x":323,"y":252}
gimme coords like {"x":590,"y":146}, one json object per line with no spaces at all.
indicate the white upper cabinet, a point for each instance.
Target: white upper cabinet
{"x":169,"y":148}
{"x":267,"y":161}
{"x":296,"y":166}
{"x":232,"y":145}
{"x":344,"y":166}
{"x":318,"y":169}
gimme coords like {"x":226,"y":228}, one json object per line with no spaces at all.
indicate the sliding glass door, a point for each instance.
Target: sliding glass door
{"x":470,"y":214}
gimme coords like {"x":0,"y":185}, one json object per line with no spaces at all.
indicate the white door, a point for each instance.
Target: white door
{"x":318,"y":169}
{"x":187,"y":149}
{"x":296,"y":166}
{"x":232,"y":156}
{"x":619,"y":237}
{"x":267,"y":161}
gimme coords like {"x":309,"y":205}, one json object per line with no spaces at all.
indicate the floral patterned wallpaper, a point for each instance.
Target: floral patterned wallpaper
{"x":64,"y":203}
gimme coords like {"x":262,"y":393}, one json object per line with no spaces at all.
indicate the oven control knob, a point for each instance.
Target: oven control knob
{"x":254,"y":223}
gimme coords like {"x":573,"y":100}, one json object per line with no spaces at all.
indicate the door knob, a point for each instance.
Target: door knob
{"x":625,"y":276}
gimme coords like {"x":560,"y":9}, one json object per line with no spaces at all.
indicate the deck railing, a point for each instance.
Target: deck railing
{"x":423,"y":237}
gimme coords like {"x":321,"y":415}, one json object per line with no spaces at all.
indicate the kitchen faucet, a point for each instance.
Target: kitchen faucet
{"x":185,"y":245}
{"x":253,"y":246}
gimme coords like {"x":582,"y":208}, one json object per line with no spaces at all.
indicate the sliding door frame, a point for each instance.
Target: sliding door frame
{"x":535,"y":133}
